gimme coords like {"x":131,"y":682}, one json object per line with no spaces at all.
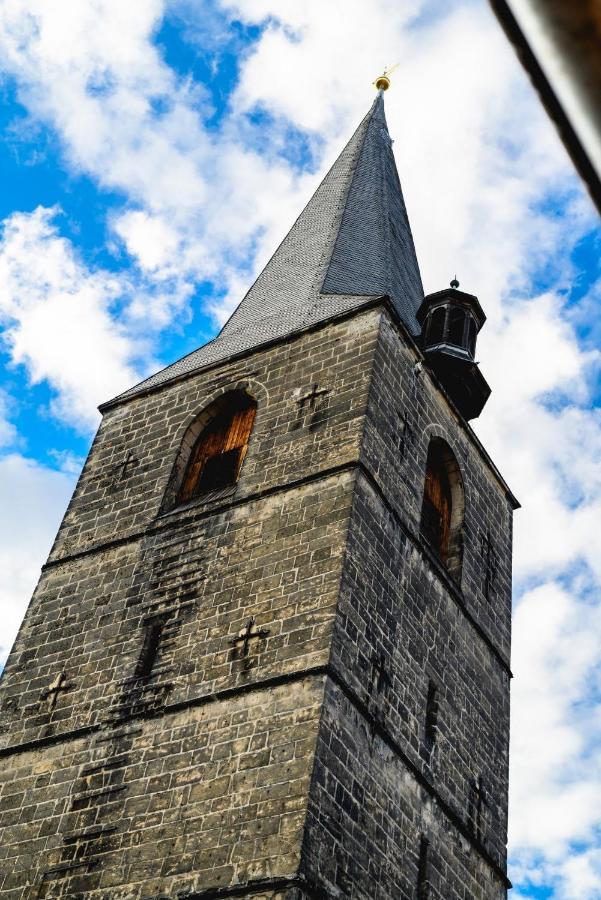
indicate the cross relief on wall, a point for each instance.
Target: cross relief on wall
{"x":490,"y":563}
{"x":51,"y":694}
{"x":243,"y":642}
{"x":123,"y":469}
{"x":311,"y":406}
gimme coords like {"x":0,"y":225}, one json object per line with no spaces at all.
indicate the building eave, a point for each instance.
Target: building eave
{"x":557,"y":42}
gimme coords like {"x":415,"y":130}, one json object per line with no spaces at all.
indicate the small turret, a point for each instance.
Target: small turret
{"x":450,"y":321}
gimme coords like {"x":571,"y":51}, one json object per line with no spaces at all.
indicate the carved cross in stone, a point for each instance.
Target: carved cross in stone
{"x":312,"y":397}
{"x":122,"y":469}
{"x":53,"y":690}
{"x":250,"y":632}
{"x":490,"y":562}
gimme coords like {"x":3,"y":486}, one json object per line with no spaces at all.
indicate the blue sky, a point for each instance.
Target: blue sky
{"x":156,"y":152}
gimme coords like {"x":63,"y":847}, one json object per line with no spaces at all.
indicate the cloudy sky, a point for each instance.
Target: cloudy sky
{"x":154,"y":154}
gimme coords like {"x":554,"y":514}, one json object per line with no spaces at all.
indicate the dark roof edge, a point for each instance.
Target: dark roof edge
{"x":555,"y":108}
{"x":127,"y":396}
{"x":370,"y":302}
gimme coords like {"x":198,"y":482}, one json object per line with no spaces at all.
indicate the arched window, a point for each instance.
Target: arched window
{"x":442,"y":506}
{"x":436,"y":332}
{"x":456,"y":326}
{"x":471,"y":336}
{"x":214,"y":447}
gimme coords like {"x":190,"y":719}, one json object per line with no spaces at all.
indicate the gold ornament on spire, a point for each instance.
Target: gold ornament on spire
{"x":382,"y":83}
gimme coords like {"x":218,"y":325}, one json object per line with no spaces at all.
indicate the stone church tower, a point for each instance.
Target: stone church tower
{"x":268,"y":656}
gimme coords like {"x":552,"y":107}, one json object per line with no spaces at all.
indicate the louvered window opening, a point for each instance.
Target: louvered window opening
{"x":456,"y":326}
{"x":437,"y":505}
{"x":451,"y":324}
{"x":218,"y":454}
{"x":437,"y":326}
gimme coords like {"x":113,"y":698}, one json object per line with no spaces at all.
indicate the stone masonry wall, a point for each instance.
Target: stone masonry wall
{"x":459,"y":633}
{"x":196,"y":774}
{"x":207,"y":796}
{"x":127,"y":472}
{"x":398,"y":629}
{"x":278,"y":560}
{"x":271,"y":550}
{"x":404,"y":625}
{"x":405,"y":412}
{"x":367,"y":816}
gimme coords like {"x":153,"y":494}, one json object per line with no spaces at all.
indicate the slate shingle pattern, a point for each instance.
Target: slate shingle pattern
{"x":374,"y":251}
{"x":352,"y":242}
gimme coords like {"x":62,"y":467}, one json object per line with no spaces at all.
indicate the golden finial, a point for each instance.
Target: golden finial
{"x":382,"y":83}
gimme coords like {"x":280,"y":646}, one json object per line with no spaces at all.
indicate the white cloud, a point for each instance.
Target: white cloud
{"x":91,"y":70}
{"x":539,"y":422}
{"x":149,"y":239}
{"x":556,"y":796}
{"x":56,"y":318}
{"x":581,"y":876}
{"x":315,"y":62}
{"x":8,"y":432}
{"x":36,"y":497}
{"x":475,"y":151}
{"x":125,"y":118}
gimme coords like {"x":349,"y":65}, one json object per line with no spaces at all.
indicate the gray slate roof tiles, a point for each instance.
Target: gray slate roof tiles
{"x":374,"y":251}
{"x":352,"y":242}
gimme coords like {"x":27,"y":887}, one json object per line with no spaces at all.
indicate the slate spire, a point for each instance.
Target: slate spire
{"x":374,"y":252}
{"x":351,"y":242}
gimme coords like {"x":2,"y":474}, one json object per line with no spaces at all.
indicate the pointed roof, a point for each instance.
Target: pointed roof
{"x":374,"y":251}
{"x":351,"y":243}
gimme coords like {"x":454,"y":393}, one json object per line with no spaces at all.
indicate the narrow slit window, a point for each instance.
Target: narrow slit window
{"x":218,"y":453}
{"x":423,"y":870}
{"x":431,"y":727}
{"x":471,"y":336}
{"x":436,"y":510}
{"x":150,"y":649}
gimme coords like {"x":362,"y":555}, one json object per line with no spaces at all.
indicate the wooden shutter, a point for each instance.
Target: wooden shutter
{"x":239,"y":431}
{"x":227,"y":432}
{"x":436,"y":511}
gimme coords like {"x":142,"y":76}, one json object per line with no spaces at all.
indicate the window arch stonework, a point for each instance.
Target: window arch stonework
{"x":213,"y":449}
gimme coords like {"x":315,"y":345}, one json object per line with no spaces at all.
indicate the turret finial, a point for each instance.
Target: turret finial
{"x":455,"y":283}
{"x":382,"y":82}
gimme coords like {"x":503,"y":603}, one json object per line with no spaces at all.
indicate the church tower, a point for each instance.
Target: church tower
{"x":268,"y":656}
